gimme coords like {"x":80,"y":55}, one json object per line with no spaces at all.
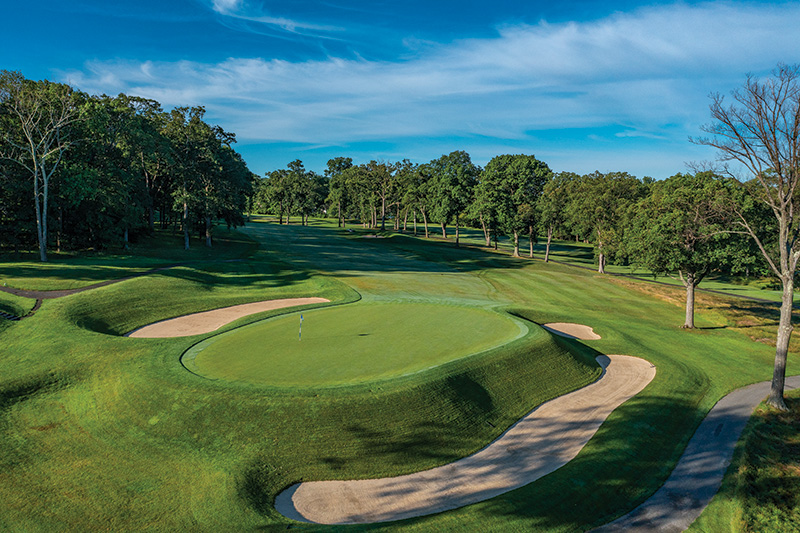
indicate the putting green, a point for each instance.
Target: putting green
{"x":351,"y":344}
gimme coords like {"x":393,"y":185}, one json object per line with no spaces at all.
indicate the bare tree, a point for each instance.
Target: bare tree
{"x":761,"y":131}
{"x":36,"y":118}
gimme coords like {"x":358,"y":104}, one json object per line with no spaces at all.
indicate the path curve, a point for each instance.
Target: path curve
{"x":208,"y":321}
{"x":544,"y":440}
{"x":699,"y":472}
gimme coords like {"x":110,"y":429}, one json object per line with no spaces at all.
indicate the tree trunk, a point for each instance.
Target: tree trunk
{"x":444,"y":230}
{"x":486,"y":235}
{"x":415,"y":222}
{"x":601,"y":261}
{"x":185,"y":226}
{"x":775,"y":397}
{"x":383,"y":214}
{"x":690,"y":282}
{"x":125,"y":239}
{"x":208,"y":231}
{"x":530,"y":241}
{"x":516,"y":244}
{"x":41,"y":221}
{"x":425,"y":220}
{"x":457,"y":231}
{"x":61,"y":228}
{"x":339,"y":211}
{"x":405,"y":220}
{"x":547,"y":248}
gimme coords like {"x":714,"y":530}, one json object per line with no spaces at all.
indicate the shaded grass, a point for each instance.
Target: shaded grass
{"x":71,"y":270}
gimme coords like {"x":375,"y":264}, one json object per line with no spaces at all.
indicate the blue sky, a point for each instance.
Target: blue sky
{"x":582,"y":85}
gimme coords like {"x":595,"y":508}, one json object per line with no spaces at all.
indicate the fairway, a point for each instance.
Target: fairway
{"x":351,"y":344}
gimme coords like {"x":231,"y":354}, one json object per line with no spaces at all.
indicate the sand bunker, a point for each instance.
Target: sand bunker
{"x":541,"y":442}
{"x":208,"y":321}
{"x":572,"y":331}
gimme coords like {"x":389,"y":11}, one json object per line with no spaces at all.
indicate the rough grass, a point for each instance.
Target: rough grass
{"x":99,"y":431}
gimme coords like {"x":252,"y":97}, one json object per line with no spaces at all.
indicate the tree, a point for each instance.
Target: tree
{"x":36,"y":117}
{"x":760,"y":130}
{"x":680,"y":227}
{"x":551,"y":205}
{"x":381,"y":174}
{"x":455,"y":177}
{"x":596,"y":207}
{"x":514,"y":183}
{"x":337,"y":179}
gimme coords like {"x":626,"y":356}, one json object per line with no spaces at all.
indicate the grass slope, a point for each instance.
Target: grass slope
{"x":102,"y":431}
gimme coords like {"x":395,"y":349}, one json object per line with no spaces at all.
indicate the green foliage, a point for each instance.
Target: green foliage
{"x":455,"y":177}
{"x":597,"y":207}
{"x":682,"y":226}
{"x":509,"y":189}
{"x":107,"y":165}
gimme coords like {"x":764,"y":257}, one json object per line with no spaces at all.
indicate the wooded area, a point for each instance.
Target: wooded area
{"x":80,"y":171}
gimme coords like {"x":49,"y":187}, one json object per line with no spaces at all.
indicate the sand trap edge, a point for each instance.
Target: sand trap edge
{"x":572,"y":331}
{"x":208,"y":321}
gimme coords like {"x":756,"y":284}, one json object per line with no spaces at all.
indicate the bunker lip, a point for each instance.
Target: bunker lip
{"x":208,"y":321}
{"x":544,"y":440}
{"x":572,"y":330}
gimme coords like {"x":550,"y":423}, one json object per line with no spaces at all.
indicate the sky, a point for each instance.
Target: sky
{"x":583,"y":86}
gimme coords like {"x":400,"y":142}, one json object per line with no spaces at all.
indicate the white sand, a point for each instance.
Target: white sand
{"x":573,"y":331}
{"x":541,"y":442}
{"x":208,"y":321}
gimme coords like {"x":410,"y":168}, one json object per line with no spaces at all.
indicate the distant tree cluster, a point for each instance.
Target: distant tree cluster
{"x":80,"y":171}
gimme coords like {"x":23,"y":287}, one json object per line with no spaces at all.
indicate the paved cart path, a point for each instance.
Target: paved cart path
{"x":698,"y":474}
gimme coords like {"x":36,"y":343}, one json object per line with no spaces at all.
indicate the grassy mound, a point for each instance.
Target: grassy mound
{"x":351,"y":344}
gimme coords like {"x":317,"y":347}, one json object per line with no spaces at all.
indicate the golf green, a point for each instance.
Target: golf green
{"x":350,"y":344}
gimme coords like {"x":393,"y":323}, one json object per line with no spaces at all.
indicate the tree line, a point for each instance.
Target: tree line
{"x":683,"y":226}
{"x":84,"y":171}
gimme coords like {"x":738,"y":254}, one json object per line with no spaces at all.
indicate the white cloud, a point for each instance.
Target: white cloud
{"x":226,"y":6}
{"x":242,"y":12}
{"x":647,"y":72}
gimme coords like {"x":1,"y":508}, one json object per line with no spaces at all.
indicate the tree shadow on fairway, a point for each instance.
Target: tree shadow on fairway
{"x":339,"y":252}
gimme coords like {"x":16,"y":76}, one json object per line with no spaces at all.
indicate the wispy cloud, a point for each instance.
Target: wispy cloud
{"x":241,"y":11}
{"x":648,"y":72}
